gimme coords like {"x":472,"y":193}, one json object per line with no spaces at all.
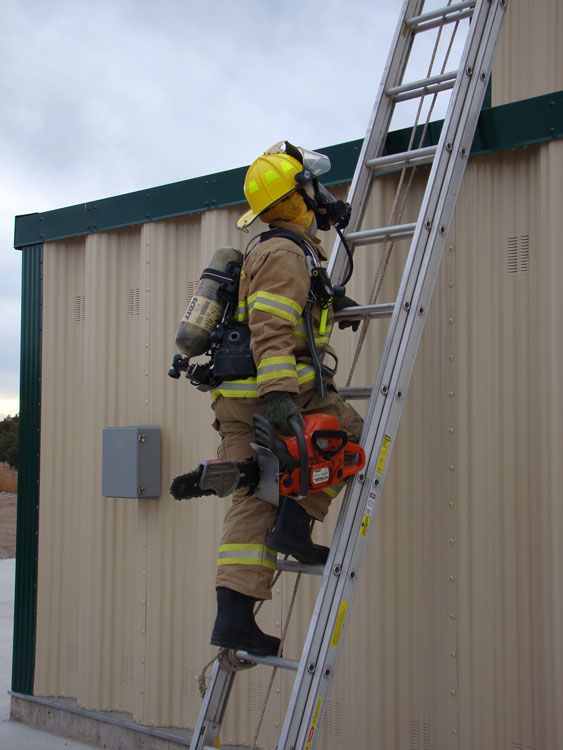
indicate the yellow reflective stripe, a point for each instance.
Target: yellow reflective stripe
{"x":247,"y":554}
{"x":264,"y":377}
{"x":335,"y":490}
{"x":241,"y":312}
{"x":253,"y":546}
{"x":275,"y":304}
{"x":305,"y":373}
{"x":236,"y":389}
{"x":247,"y":388}
{"x":276,"y":367}
{"x":246,"y":561}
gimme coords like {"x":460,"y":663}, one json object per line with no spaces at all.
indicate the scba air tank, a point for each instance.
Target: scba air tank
{"x":207,"y":306}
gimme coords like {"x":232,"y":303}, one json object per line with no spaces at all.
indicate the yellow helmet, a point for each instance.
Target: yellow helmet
{"x":268,"y":179}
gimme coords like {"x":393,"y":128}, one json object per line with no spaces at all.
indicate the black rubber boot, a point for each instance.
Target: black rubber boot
{"x":292,"y":535}
{"x":236,"y":628}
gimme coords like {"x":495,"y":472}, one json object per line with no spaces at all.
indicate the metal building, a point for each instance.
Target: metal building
{"x":455,"y":638}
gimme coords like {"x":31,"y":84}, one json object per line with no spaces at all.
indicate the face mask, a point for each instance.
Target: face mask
{"x":329,"y":212}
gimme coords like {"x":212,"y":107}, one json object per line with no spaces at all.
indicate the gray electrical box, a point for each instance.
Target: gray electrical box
{"x":131,"y":461}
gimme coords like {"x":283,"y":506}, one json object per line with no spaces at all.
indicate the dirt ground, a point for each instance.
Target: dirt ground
{"x":7,"y":525}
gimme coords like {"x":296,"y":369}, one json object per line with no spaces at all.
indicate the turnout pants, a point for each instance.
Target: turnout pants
{"x":246,"y":564}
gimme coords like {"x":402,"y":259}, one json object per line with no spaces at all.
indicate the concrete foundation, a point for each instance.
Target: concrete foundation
{"x":92,"y":728}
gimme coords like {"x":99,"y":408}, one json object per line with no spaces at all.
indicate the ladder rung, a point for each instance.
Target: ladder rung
{"x":370,"y":236}
{"x":292,"y":566}
{"x":430,"y":85}
{"x":351,"y":392}
{"x":271,"y":661}
{"x":412,"y":158}
{"x":447,"y":14}
{"x":384,"y":310}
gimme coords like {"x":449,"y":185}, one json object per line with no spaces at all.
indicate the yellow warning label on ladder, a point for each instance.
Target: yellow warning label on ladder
{"x":383,"y":454}
{"x":314,"y":724}
{"x":339,"y":624}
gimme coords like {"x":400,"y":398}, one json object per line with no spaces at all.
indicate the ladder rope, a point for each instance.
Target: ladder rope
{"x":275,"y":669}
{"x":401,"y":195}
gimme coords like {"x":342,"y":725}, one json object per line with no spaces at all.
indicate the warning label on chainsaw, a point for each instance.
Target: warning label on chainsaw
{"x":203,"y":312}
{"x":321,"y":475}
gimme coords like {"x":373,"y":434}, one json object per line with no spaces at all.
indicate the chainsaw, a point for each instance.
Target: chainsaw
{"x":316,"y":457}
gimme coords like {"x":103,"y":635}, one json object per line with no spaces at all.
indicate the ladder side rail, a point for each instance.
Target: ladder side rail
{"x":324,"y":614}
{"x":378,"y":127}
{"x":452,"y":146}
{"x":212,"y":709}
{"x":407,"y":355}
{"x":305,"y":700}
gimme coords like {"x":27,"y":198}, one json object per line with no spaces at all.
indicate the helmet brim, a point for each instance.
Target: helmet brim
{"x":246,"y":220}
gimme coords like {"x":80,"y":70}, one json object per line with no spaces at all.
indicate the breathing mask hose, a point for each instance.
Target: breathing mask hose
{"x":349,"y":254}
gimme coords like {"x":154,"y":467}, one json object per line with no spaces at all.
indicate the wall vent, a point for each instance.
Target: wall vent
{"x":189,"y":683}
{"x":256,"y":695}
{"x":524,"y":252}
{"x":127,"y":670}
{"x":72,"y":657}
{"x":133,"y":302}
{"x":420,"y":736}
{"x":79,"y":308}
{"x":518,"y":254}
{"x":332,"y":724}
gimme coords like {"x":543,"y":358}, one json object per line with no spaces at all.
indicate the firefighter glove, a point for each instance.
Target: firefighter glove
{"x":339,"y":303}
{"x":281,"y":407}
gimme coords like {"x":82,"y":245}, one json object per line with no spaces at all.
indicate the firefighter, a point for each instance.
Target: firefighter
{"x":292,"y":379}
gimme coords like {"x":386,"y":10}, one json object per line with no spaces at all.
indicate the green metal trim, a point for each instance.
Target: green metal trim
{"x":27,"y":533}
{"x":508,"y":126}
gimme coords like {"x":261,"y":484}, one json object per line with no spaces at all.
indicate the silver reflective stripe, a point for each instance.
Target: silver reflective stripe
{"x":241,"y":313}
{"x":273,"y":306}
{"x":305,"y":372}
{"x":263,"y":369}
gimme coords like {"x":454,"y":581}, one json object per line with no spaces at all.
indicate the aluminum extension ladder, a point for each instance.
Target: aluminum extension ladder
{"x":317,"y":666}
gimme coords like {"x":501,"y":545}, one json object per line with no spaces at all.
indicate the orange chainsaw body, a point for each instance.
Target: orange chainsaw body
{"x":331,"y":458}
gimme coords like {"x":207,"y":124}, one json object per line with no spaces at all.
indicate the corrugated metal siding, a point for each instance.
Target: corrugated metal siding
{"x":511,"y":415}
{"x":529,"y":59}
{"x":454,"y":637}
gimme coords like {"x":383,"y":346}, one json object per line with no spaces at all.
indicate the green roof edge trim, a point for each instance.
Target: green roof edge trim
{"x":507,"y":126}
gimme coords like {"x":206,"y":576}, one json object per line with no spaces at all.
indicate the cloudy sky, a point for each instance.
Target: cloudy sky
{"x":103,"y":98}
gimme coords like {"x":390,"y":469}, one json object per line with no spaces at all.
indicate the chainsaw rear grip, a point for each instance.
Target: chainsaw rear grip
{"x":347,"y":471}
{"x":295,"y":425}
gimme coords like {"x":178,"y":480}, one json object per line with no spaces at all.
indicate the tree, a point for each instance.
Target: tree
{"x":9,"y":440}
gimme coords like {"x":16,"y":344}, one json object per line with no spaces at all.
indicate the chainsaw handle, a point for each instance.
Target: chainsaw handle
{"x":359,"y":465}
{"x":329,"y":435}
{"x":303,"y":458}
